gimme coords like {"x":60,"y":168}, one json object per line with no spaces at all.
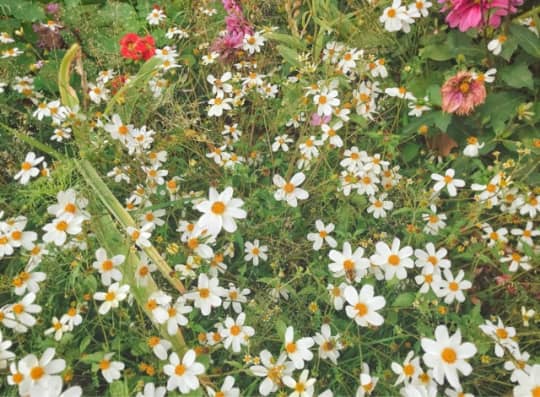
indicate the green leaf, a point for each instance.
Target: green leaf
{"x":526,"y":39}
{"x":442,"y":120}
{"x":499,"y":108}
{"x":118,"y":388}
{"x":517,"y":75}
{"x":289,"y":55}
{"x":404,"y":300}
{"x":288,"y":40}
{"x":410,"y":151}
{"x":509,"y":47}
{"x":24,"y":11}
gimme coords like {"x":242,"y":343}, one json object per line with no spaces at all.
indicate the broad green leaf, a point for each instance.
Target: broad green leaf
{"x":499,"y":108}
{"x":23,"y":10}
{"x":410,"y":151}
{"x":288,"y":40}
{"x":517,"y":75}
{"x":118,"y":389}
{"x":526,"y":39}
{"x":289,"y":55}
{"x":404,"y":300}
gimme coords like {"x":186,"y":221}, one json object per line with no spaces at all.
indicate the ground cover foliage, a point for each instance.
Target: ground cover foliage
{"x":300,"y":198}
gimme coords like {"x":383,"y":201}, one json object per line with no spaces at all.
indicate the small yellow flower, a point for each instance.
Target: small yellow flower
{"x":313,"y":307}
{"x":442,"y":310}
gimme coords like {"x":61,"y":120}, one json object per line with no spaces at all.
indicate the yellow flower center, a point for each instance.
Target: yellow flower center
{"x":204,"y":293}
{"x":235,"y":330}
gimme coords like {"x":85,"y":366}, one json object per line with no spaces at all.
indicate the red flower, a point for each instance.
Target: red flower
{"x":132,"y":46}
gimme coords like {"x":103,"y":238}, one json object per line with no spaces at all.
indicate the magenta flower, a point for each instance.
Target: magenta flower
{"x":461,"y":94}
{"x":468,"y":14}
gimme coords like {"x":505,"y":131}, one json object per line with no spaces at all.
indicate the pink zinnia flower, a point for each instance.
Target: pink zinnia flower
{"x":461,"y":94}
{"x":467,"y":14}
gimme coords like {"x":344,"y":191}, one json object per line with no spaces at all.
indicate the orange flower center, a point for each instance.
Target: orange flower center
{"x":501,"y":333}
{"x":26,"y":166}
{"x":361,"y":309}
{"x":107,"y":265}
{"x":453,"y":286}
{"x":218,"y":208}
{"x":393,"y":260}
{"x":235,"y":330}
{"x":37,"y":373}
{"x":18,"y":378}
{"x":408,"y":369}
{"x":143,"y":271}
{"x":322,"y":99}
{"x":323,"y":234}
{"x":448,"y":179}
{"x":464,"y":87}
{"x":18,"y":308}
{"x":289,"y":188}
{"x":110,"y":296}
{"x":391,"y":13}
{"x":348,"y":265}
{"x":204,"y":293}
{"x":449,"y":355}
{"x":62,"y":226}
{"x":123,"y":130}
{"x":291,"y":347}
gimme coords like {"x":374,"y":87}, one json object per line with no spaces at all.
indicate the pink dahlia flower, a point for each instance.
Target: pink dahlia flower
{"x":461,"y":94}
{"x":468,"y":14}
